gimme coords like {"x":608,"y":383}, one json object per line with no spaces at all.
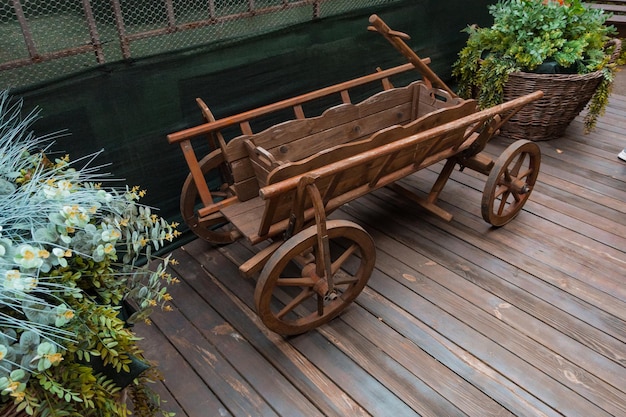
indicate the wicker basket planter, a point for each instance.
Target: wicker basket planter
{"x":565,"y":96}
{"x":545,"y":45}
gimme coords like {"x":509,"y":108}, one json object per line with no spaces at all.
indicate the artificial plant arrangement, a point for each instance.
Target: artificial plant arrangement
{"x":71,"y":256}
{"x":537,"y":36}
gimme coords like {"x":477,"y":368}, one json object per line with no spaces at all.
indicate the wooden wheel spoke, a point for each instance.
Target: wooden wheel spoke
{"x":518,"y":164}
{"x":502,"y":189}
{"x":525,"y":174}
{"x":503,"y":201}
{"x":345,"y":280}
{"x":503,"y":192}
{"x":297,"y":300}
{"x":343,"y":258}
{"x":507,"y":177}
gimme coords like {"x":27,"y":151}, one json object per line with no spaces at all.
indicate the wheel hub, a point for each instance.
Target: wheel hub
{"x":518,"y":186}
{"x":320,"y":285}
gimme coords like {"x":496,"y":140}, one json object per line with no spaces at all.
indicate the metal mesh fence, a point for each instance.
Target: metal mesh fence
{"x":42,"y":40}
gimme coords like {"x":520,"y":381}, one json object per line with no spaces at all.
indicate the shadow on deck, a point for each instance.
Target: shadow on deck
{"x":458,"y":318}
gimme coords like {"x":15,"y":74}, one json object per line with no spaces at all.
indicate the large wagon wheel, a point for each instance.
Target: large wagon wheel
{"x":213,"y":228}
{"x":291,"y":295}
{"x":510,"y":182}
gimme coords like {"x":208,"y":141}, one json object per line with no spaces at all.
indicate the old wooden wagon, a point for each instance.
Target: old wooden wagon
{"x":277,"y":186}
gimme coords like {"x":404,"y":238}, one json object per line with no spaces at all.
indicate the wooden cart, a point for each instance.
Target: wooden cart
{"x":278,"y":185}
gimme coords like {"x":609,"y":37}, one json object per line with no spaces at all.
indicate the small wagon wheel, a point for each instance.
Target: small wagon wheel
{"x":291,"y":297}
{"x":510,"y":182}
{"x":212,"y":228}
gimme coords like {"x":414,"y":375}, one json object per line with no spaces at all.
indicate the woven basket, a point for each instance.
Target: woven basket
{"x":565,"y":96}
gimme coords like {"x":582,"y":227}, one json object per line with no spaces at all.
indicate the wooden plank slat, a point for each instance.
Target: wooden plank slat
{"x":502,"y":311}
{"x":529,"y":269}
{"x":322,"y":390}
{"x":192,"y":395}
{"x":249,"y":115}
{"x":262,"y":376}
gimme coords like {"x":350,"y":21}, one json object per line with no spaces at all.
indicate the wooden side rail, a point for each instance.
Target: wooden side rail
{"x":253,"y":157}
{"x":297,"y":139}
{"x":293,"y":102}
{"x":333,"y":176}
{"x":383,"y":137}
{"x":248,"y":188}
{"x":273,"y":190}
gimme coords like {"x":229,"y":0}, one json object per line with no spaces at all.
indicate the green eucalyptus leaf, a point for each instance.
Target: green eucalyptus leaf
{"x":29,"y":341}
{"x":45,"y":234}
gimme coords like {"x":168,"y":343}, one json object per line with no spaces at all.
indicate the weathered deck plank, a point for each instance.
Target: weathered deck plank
{"x":458,"y":319}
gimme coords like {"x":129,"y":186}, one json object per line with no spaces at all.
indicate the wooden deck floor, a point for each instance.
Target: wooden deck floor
{"x":458,"y":318}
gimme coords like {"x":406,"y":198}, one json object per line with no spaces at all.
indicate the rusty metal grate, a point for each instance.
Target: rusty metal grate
{"x":42,"y":40}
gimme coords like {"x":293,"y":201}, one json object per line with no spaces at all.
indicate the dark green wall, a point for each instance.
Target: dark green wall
{"x":129,"y":108}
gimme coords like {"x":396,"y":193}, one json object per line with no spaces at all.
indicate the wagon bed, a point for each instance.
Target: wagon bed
{"x":279,"y":184}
